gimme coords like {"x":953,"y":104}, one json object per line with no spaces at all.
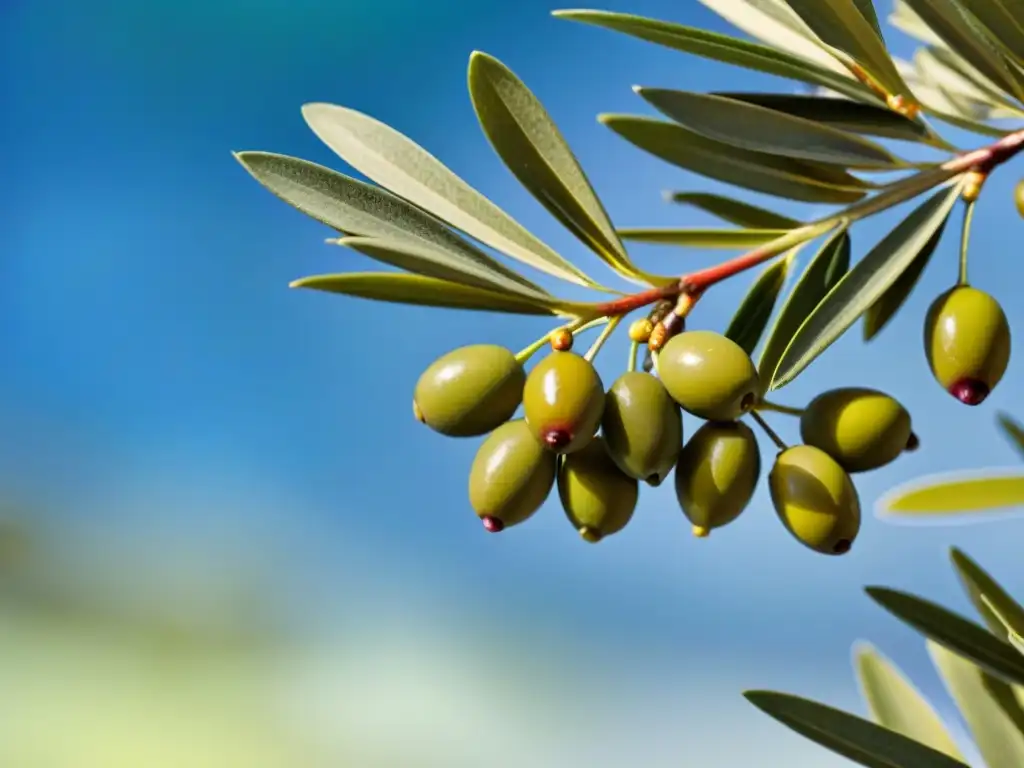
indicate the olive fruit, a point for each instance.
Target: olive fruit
{"x":862,"y":429}
{"x":598,"y":498}
{"x":1018,"y":197}
{"x":709,"y":375}
{"x":642,"y":427}
{"x":815,"y":499}
{"x":469,"y":391}
{"x":511,"y":476}
{"x":716,"y":474}
{"x":967,"y":341}
{"x":563,"y":400}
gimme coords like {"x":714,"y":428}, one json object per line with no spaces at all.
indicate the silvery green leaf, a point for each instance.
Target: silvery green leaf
{"x":400,"y":165}
{"x":734,"y":211}
{"x":995,"y":605}
{"x":755,"y":310}
{"x":702,"y":237}
{"x":865,"y":283}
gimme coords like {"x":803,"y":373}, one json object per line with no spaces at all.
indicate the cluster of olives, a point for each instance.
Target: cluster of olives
{"x":967,"y":341}
{"x":598,"y":445}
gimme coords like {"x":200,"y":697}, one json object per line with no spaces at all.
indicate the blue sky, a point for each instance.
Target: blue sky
{"x":165,"y":393}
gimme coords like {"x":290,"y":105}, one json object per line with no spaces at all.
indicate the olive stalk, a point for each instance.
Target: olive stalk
{"x":575,"y":327}
{"x":965,"y":238}
{"x":979,"y":161}
{"x":788,"y":410}
{"x":772,"y":434}
{"x":609,"y":329}
{"x":634,"y":349}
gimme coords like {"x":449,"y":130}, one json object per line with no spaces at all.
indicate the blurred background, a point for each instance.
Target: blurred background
{"x":226,"y":542}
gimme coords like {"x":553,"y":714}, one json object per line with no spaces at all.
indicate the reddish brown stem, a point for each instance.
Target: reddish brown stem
{"x":980,"y":160}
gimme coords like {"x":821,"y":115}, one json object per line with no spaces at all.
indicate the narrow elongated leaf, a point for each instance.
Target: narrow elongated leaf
{"x":779,"y":176}
{"x":993,"y":603}
{"x":751,"y":318}
{"x":1013,"y":430}
{"x":397,"y":163}
{"x":953,"y":632}
{"x":895,"y":703}
{"x":844,"y":114}
{"x":760,"y":129}
{"x":954,"y":493}
{"x":432,"y":263}
{"x":998,"y":22}
{"x":944,"y":69}
{"x":1011,"y":628}
{"x":734,"y":211}
{"x":889,"y":303}
{"x":698,"y":237}
{"x":718,"y":47}
{"x":356,"y":208}
{"x":820,"y":275}
{"x":848,"y":735}
{"x":841,"y":24}
{"x":867,"y":10}
{"x":994,"y":717}
{"x":905,"y":19}
{"x":526,"y":138}
{"x":961,"y":32}
{"x":400,"y":288}
{"x":865,"y":284}
{"x":773,"y":22}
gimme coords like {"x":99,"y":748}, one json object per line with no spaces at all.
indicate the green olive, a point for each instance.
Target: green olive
{"x":469,"y":391}
{"x":511,"y":476}
{"x":563,"y":401}
{"x":716,"y":474}
{"x":860,"y":428}
{"x":598,"y":498}
{"x":642,"y":427}
{"x":1018,"y":197}
{"x":709,"y":375}
{"x":815,"y":499}
{"x":967,"y":342}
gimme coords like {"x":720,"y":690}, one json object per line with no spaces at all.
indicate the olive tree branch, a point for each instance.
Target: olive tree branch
{"x":981,"y":160}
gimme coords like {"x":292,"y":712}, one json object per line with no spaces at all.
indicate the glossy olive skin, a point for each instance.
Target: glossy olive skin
{"x":642,"y":427}
{"x":598,"y":498}
{"x":563,"y":401}
{"x":469,"y":391}
{"x":1018,"y":197}
{"x":967,"y":342}
{"x":716,"y":474}
{"x":511,"y":476}
{"x":709,"y":375}
{"x":861,"y":428}
{"x":815,"y":499}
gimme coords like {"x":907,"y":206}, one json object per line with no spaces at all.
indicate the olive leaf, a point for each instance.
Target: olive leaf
{"x":723,"y":48}
{"x":953,"y":632}
{"x":1013,"y":630}
{"x":842,"y":25}
{"x":844,"y":114}
{"x":867,"y":10}
{"x":889,"y":303}
{"x":820,"y":275}
{"x":895,"y":703}
{"x":1013,"y":430}
{"x":733,"y":211}
{"x":993,"y":715}
{"x":954,"y":493}
{"x":356,"y":208}
{"x":848,"y":735}
{"x":962,"y":33}
{"x":865,"y":284}
{"x":401,"y":288}
{"x":433,"y":263}
{"x":774,"y":23}
{"x":762,"y":129}
{"x":755,"y":171}
{"x":945,"y":69}
{"x":751,"y":318}
{"x":702,"y":237}
{"x":394,"y":161}
{"x":526,"y":138}
{"x":1000,"y":23}
{"x":993,"y":603}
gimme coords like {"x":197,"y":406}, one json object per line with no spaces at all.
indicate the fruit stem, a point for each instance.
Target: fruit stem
{"x":768,"y":430}
{"x":634,"y":349}
{"x":765,"y":405}
{"x":981,"y":160}
{"x":965,"y":238}
{"x":609,"y":329}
